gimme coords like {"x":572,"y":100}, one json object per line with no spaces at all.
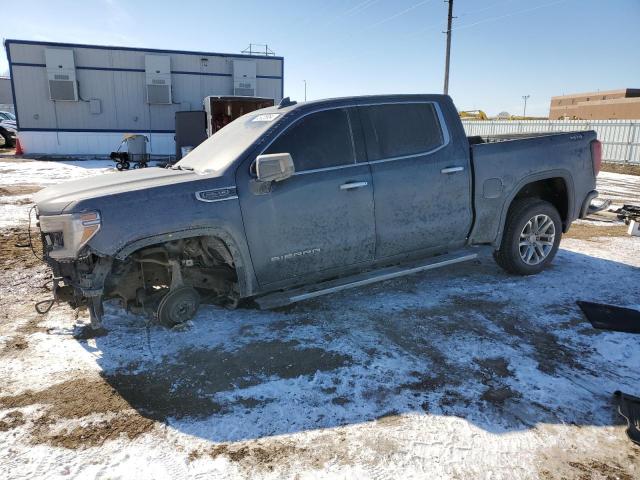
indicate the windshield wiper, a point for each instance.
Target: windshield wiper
{"x":182,"y":167}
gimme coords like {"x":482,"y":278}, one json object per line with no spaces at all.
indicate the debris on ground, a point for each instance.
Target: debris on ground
{"x":611,"y":317}
{"x":629,"y":408}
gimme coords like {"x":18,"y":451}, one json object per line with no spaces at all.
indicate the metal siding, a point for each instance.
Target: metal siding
{"x":193,"y":88}
{"x":85,"y":57}
{"x":269,"y":88}
{"x":134,"y":112}
{"x":32,"y":98}
{"x":27,"y":53}
{"x":620,"y":138}
{"x":5,"y":91}
{"x":121,"y":91}
{"x":93,"y":143}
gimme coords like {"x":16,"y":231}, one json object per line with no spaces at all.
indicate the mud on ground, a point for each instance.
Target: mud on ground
{"x":627,"y":169}
{"x":593,"y":232}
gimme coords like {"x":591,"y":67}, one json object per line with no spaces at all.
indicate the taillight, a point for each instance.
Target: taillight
{"x":596,"y":156}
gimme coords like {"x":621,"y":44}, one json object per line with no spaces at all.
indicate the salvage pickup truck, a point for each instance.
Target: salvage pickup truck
{"x":299,"y":200}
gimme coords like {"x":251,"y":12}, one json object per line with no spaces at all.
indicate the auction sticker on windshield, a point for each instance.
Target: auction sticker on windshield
{"x":265,"y":117}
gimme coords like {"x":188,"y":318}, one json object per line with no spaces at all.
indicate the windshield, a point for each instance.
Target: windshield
{"x":7,"y":116}
{"x":228,"y":143}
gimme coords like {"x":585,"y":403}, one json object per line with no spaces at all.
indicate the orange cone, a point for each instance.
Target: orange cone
{"x":19,"y":150}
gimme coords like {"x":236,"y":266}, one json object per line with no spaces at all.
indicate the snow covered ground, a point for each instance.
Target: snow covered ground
{"x":619,"y":188}
{"x":462,"y":373}
{"x":19,"y":179}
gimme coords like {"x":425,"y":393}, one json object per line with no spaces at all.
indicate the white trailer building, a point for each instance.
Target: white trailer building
{"x":74,"y":99}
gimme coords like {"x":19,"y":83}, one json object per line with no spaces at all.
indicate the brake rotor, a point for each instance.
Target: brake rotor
{"x":178,"y":306}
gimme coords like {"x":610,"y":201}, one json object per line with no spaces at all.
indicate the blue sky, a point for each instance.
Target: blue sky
{"x":501,"y":50}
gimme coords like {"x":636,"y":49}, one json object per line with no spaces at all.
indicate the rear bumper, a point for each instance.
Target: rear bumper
{"x":584,"y":209}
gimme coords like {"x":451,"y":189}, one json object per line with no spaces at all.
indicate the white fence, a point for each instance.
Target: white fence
{"x":620,"y":138}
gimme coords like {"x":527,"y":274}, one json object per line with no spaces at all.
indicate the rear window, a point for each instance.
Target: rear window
{"x":401,"y":129}
{"x":319,"y":140}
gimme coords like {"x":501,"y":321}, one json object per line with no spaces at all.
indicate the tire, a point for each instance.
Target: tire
{"x":531,"y":237}
{"x":8,"y":141}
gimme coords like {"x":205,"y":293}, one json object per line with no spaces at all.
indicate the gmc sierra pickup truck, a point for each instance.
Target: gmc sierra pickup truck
{"x":299,"y":200}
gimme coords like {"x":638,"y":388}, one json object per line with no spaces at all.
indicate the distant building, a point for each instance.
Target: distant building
{"x":6,"y":95}
{"x":608,"y":105}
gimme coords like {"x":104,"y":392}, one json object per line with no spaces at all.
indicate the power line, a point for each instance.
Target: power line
{"x":498,"y":17}
{"x":396,"y":15}
{"x":358,"y":8}
{"x":489,"y":7}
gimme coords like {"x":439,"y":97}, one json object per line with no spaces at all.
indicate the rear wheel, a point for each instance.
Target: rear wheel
{"x":531,"y":237}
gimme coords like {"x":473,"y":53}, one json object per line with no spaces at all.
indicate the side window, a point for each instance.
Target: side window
{"x":396,"y":130}
{"x":319,"y":140}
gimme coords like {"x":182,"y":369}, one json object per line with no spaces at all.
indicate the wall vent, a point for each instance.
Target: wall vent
{"x":244,"y":78}
{"x":158,"y":79}
{"x":61,"y":75}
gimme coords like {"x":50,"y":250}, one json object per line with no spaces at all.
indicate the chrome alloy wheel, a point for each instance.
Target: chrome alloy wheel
{"x":536,"y":239}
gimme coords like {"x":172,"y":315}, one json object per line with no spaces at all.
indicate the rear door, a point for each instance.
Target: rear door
{"x":319,"y":219}
{"x":421,"y":184}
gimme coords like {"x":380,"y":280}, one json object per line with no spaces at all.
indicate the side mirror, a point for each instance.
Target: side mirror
{"x":274,"y":167}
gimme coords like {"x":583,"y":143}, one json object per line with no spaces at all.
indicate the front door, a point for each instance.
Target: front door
{"x":421,"y":179}
{"x":320,"y":219}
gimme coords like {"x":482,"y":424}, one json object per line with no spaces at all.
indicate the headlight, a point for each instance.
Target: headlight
{"x":65,"y":235}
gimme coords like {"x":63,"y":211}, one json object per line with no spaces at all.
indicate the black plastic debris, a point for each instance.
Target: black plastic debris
{"x":629,"y":408}
{"x":610,"y":317}
{"x":628,"y":213}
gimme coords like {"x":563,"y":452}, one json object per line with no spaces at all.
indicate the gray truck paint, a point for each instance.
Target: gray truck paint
{"x":509,"y":166}
{"x":307,"y":228}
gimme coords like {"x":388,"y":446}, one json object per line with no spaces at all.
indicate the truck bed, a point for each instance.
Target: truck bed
{"x":503,"y":137}
{"x":503,"y":164}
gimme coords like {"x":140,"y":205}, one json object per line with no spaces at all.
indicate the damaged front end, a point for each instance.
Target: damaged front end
{"x":167,"y":279}
{"x":78,"y":274}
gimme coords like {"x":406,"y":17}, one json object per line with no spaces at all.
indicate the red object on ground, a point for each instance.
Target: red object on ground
{"x":19,"y":150}
{"x":596,"y":155}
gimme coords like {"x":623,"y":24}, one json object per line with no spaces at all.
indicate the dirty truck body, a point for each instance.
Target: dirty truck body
{"x":298,"y":200}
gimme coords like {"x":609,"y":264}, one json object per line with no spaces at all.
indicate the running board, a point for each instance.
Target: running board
{"x":280,"y":299}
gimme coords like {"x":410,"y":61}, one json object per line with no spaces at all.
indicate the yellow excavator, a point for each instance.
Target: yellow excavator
{"x":480,"y":115}
{"x":473,"y":115}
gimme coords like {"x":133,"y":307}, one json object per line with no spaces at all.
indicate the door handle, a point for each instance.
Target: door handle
{"x":352,"y":185}
{"x":452,"y":170}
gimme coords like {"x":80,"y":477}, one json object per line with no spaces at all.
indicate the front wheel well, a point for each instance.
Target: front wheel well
{"x":204,"y":262}
{"x":553,"y":190}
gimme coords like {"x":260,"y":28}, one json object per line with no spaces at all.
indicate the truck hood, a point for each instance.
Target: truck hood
{"x":60,"y":198}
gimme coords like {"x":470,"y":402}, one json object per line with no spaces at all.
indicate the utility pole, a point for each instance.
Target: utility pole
{"x":305,"y":90}
{"x":524,"y":110}
{"x":448,"y":32}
